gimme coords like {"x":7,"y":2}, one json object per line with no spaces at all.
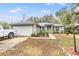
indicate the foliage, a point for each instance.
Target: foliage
{"x":75,"y":16}
{"x":5,"y":25}
{"x":74,"y":5}
{"x":46,"y":32}
{"x":34,"y":34}
{"x":34,"y":19}
{"x":64,"y":16}
{"x":46,"y":18}
{"x":68,"y":18}
{"x":40,"y":33}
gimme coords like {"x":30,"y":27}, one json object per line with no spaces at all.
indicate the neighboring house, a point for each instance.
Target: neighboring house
{"x":27,"y":28}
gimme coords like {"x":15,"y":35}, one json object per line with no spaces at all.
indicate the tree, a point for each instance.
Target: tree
{"x":75,"y":11}
{"x":30,"y":19}
{"x":46,"y":18}
{"x":74,"y":17}
{"x":64,"y":16}
{"x":34,"y":19}
{"x":74,"y":5}
{"x":5,"y":25}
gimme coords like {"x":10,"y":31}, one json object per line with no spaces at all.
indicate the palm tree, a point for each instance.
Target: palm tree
{"x":75,"y":17}
{"x":74,"y":5}
{"x":64,"y":16}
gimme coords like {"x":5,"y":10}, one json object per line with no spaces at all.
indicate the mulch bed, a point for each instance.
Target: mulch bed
{"x":70,"y":51}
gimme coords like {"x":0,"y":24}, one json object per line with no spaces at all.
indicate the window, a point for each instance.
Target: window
{"x":57,"y":29}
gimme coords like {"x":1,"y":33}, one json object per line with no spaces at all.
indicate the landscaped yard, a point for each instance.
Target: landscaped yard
{"x":34,"y":47}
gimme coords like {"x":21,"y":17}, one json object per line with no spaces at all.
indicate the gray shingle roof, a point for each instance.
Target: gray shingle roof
{"x":22,"y":23}
{"x":32,"y":23}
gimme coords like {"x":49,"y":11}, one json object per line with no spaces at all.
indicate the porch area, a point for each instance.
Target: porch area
{"x":44,"y":27}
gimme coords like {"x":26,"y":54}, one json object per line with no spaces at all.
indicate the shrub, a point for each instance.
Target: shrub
{"x":34,"y":34}
{"x":41,"y":33}
{"x":5,"y":25}
{"x":46,"y":33}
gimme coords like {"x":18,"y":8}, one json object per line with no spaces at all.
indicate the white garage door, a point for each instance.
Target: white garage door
{"x":23,"y":30}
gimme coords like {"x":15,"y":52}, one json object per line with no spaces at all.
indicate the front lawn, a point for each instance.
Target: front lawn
{"x":66,"y":40}
{"x":34,"y":47}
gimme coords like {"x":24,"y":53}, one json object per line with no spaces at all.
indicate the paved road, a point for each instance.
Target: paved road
{"x":9,"y":43}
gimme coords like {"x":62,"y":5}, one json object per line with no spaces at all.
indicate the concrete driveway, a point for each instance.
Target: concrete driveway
{"x":9,"y":43}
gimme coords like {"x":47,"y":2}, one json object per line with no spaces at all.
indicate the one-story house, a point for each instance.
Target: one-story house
{"x":27,"y":28}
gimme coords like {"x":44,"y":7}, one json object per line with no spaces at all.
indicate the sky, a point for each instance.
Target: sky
{"x":13,"y":12}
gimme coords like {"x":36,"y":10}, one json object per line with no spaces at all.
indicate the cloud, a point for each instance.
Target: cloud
{"x":45,"y":11}
{"x":15,"y":10}
{"x":62,"y":4}
{"x":48,"y":4}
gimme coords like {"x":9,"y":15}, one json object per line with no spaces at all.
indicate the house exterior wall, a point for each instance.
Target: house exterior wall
{"x":58,"y":29}
{"x":23,"y":30}
{"x":27,"y":30}
{"x":46,"y":27}
{"x":34,"y":28}
{"x":38,"y":29}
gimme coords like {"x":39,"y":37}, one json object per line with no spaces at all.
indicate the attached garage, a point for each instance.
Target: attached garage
{"x":27,"y":28}
{"x":23,"y":29}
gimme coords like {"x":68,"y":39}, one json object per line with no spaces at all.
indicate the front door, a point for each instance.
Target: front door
{"x":49,"y":28}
